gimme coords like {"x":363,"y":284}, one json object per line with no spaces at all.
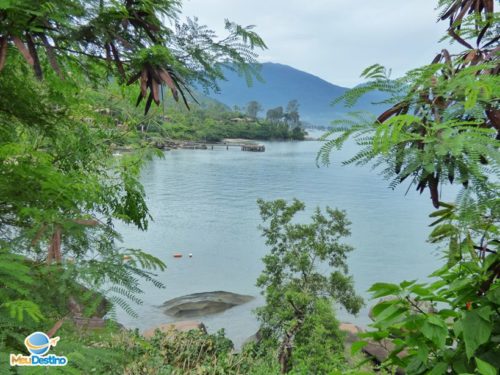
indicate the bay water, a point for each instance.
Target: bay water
{"x":204,"y":202}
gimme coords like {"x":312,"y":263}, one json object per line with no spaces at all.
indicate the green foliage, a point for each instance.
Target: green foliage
{"x":461,"y":330}
{"x":18,"y":311}
{"x":189,"y":352}
{"x":460,"y":333}
{"x":195,"y":352}
{"x":213,"y":123}
{"x":298,"y":315}
{"x":443,"y":126}
{"x":319,"y":344}
{"x":126,"y":38}
{"x":65,"y":210}
{"x":62,"y":69}
{"x":444,"y":120}
{"x":210,"y":121}
{"x":452,"y":146}
{"x":253,"y":109}
{"x":113,"y":350}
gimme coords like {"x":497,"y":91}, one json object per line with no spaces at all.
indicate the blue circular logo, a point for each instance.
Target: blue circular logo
{"x":38,"y":343}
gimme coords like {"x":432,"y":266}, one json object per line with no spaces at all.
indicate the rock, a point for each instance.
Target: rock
{"x":422,"y":305}
{"x":379,"y":351}
{"x":183,"y":326}
{"x":96,"y":321}
{"x":159,"y":145}
{"x":352,"y":332}
{"x":255,"y":338}
{"x":199,"y":304}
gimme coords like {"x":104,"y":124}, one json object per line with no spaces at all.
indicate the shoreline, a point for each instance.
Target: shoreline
{"x":167,"y":144}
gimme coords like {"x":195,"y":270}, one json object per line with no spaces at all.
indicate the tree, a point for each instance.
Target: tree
{"x":292,"y":113}
{"x":296,"y":289}
{"x":253,"y":109}
{"x":275,"y":115}
{"x":298,"y":133}
{"x":60,"y":64}
{"x":130,"y":37}
{"x":443,"y":127}
{"x":444,"y":122}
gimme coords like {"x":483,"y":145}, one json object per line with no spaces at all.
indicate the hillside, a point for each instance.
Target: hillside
{"x":283,"y":83}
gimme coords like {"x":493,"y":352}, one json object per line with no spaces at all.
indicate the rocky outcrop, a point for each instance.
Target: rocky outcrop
{"x":352,"y":331}
{"x":255,"y":338}
{"x":379,"y":351}
{"x":183,"y":326}
{"x":200,"y":304}
{"x":96,"y":321}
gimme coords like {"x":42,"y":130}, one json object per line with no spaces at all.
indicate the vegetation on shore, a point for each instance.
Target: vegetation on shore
{"x":206,"y":121}
{"x":214,"y":122}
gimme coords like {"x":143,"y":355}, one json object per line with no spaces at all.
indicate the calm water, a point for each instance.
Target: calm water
{"x":204,"y":202}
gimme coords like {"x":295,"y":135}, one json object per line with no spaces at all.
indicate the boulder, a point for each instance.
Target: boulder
{"x":352,"y":331}
{"x":200,"y":304}
{"x":255,"y":338}
{"x":182,"y":326}
{"x":379,"y":352}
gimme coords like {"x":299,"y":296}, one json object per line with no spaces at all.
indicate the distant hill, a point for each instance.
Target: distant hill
{"x":284,"y":83}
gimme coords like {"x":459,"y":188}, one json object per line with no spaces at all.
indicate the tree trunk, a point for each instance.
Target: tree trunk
{"x":286,"y":347}
{"x":285,"y":354}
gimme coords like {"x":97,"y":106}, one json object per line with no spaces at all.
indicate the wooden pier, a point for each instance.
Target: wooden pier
{"x":252,"y":147}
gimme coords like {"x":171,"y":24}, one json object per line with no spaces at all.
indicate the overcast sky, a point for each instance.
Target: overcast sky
{"x":334,"y":39}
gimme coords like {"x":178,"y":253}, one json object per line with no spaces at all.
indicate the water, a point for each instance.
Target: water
{"x":204,"y":202}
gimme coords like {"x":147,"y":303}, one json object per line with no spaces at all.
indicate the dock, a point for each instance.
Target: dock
{"x":252,"y":147}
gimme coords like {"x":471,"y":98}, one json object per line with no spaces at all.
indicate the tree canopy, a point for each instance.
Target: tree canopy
{"x":442,"y":126}
{"x":134,"y":39}
{"x":61,"y":190}
{"x":305,"y":273}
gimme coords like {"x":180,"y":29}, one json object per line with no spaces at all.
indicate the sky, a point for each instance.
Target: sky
{"x":334,"y":39}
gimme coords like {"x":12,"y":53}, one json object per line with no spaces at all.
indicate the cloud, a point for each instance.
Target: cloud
{"x":334,"y":39}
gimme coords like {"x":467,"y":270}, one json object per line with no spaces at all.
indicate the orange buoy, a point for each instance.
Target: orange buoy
{"x":177,"y":255}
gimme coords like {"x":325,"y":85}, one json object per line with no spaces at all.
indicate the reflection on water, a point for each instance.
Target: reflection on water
{"x":204,"y":202}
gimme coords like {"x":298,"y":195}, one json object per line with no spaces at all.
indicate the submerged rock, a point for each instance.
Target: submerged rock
{"x":199,"y":304}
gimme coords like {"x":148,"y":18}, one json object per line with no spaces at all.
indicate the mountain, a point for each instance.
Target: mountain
{"x":283,"y":83}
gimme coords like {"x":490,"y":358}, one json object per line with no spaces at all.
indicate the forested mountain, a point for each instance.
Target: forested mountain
{"x":283,"y":83}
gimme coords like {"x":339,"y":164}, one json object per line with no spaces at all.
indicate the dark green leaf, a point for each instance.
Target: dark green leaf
{"x":476,"y":329}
